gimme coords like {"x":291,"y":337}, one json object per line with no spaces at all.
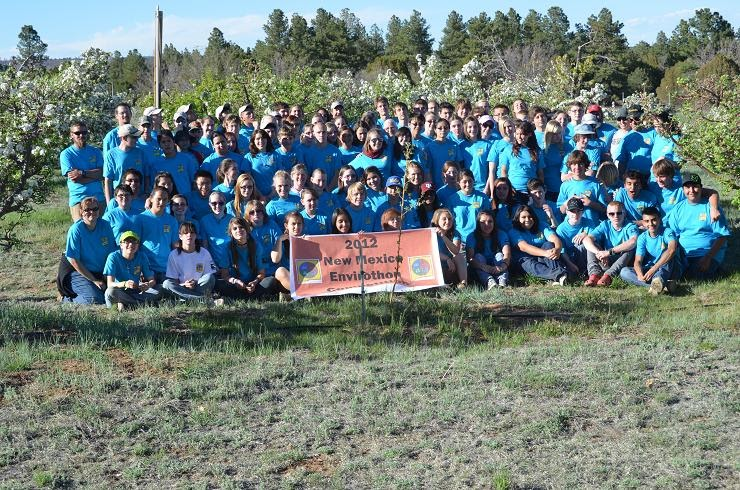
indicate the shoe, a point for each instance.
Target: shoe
{"x":656,"y":286}
{"x":491,"y":283}
{"x":503,"y":282}
{"x":284,"y":297}
{"x":121,"y":307}
{"x":605,"y":281}
{"x":563,"y":280}
{"x":462,"y":285}
{"x":218,"y":302}
{"x":671,"y":286}
{"x":592,"y":280}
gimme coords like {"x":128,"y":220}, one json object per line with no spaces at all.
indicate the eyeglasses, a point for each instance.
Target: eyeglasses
{"x":256,"y":211}
{"x":217,"y":203}
{"x":175,"y":203}
{"x":79,"y":133}
{"x":374,"y":140}
{"x":616,"y":213}
{"x":90,"y":210}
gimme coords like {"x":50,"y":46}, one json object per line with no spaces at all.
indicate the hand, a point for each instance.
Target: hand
{"x":438,"y":230}
{"x":585,"y":200}
{"x":190,"y":284}
{"x":553,"y":254}
{"x":604,"y":262}
{"x":100,"y":285}
{"x":640,"y":276}
{"x":714,"y":214}
{"x":602,"y":255}
{"x":75,"y":175}
{"x":548,"y":210}
{"x":578,"y":239}
{"x":251,"y":286}
{"x":648,"y":276}
{"x":451,"y":265}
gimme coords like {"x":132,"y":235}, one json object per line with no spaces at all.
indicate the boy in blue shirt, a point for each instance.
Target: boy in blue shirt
{"x":158,"y":232}
{"x":130,"y":280}
{"x":585,"y":188}
{"x":656,"y":251}
{"x":314,"y":223}
{"x":634,"y":197}
{"x":572,"y":232}
{"x":283,"y":202}
{"x":610,"y":246}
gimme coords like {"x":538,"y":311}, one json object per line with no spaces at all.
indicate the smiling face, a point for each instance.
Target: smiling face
{"x":342,"y":224}
{"x":220,"y":145}
{"x":502,"y":191}
{"x":260,"y":142}
{"x":203,"y":185}
{"x":520,"y":136}
{"x":158,"y":200}
{"x":256,"y":216}
{"x":348,"y":177}
{"x":467,"y":186}
{"x":372,"y":180}
{"x":123,"y":199}
{"x":526,"y":220}
{"x":79,"y":135}
{"x":456,"y":128}
{"x":123,"y":115}
{"x":356,"y":197}
{"x":246,"y":189}
{"x":486,"y":223}
{"x":282,"y":187}
{"x":441,"y":129}
{"x":294,"y":226}
{"x":472,"y":129}
{"x":414,"y":175}
{"x":652,"y":223}
{"x":238,"y":233}
{"x":445,"y":221}
{"x":310,"y":203}
{"x":692,"y":192}
{"x":179,"y":206}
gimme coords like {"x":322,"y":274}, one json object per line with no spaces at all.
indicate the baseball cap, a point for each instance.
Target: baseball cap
{"x":484,"y":119}
{"x":246,"y":107}
{"x":337,"y":103}
{"x":589,"y":119}
{"x":635,"y":111}
{"x":393,"y":180}
{"x":692,"y":179}
{"x":574,"y":204}
{"x":180,"y":115}
{"x":584,"y":129}
{"x":427,"y":187}
{"x":594,"y":108}
{"x":129,"y":234}
{"x":184,"y":108}
{"x":221,"y":109}
{"x":151,"y":110}
{"x":622,"y":113}
{"x":145,"y":120}
{"x":128,"y":130}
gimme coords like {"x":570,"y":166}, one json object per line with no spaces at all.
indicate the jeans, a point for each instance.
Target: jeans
{"x":483,"y":276}
{"x":541,"y":267}
{"x":201,"y":291}
{"x":267,"y":287}
{"x":88,"y":293}
{"x":665,"y":272}
{"x":131,"y":297}
{"x":616,"y":263}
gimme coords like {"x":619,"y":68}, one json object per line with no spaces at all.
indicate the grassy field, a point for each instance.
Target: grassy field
{"x":530,"y":387}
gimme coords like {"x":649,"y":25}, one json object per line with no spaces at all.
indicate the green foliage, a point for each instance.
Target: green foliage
{"x":710,"y":119}
{"x":718,"y":66}
{"x":669,"y":87}
{"x":31,"y":49}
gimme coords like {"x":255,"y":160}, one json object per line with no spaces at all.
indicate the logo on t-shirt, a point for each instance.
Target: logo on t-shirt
{"x":451,"y":152}
{"x":104,"y":241}
{"x":137,"y":271}
{"x":92,"y":159}
{"x":647,"y":141}
{"x":180,"y":168}
{"x":702,"y":216}
{"x":199,"y":268}
{"x":165,"y":228}
{"x":475,"y":204}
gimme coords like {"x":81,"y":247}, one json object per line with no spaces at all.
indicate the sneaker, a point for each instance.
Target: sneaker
{"x":462,"y":285}
{"x":503,"y":281}
{"x":284,"y":297}
{"x":218,"y":302}
{"x":605,"y":281}
{"x":563,"y":280}
{"x":592,"y":280}
{"x":121,"y":306}
{"x":656,"y":286}
{"x":491,"y":283}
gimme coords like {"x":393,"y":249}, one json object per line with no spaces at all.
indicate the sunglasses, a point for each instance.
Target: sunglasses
{"x":90,"y":210}
{"x":616,"y":213}
{"x":256,"y":211}
{"x":217,"y":203}
{"x":79,"y":133}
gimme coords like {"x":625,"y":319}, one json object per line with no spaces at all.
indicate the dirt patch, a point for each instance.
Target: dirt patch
{"x":75,"y":366}
{"x":138,"y":368}
{"x":320,"y":463}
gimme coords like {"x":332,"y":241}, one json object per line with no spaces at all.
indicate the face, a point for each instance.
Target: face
{"x":526,"y":220}
{"x":338,"y":111}
{"x":692,"y":192}
{"x":204,"y":185}
{"x":456,"y":128}
{"x":260,"y":141}
{"x":623,"y":123}
{"x":309,"y":202}
{"x":232,"y":127}
{"x":165,"y":182}
{"x":294,"y":227}
{"x":575,"y":113}
{"x":498,"y":113}
{"x":393,"y":223}
{"x":519,"y":105}
{"x":574,"y":216}
{"x":562,"y":118}
{"x":520,"y":136}
{"x":507,"y":129}
{"x":285,"y":141}
{"x":231,"y":141}
{"x":167,"y":144}
{"x":238,"y":233}
{"x":432,"y":107}
{"x":90,"y":212}
{"x":577,"y":168}
{"x":538,"y":195}
{"x":342,"y":224}
{"x":502,"y":191}
{"x":129,"y":247}
{"x":399,"y":113}
{"x":540,"y":120}
{"x":440,"y":131}
{"x":382,"y":108}
{"x":486,"y":130}
{"x":450,"y":175}
{"x":633,"y":186}
{"x":390,"y":128}
{"x":307,"y":135}
{"x":299,"y":179}
{"x":445,"y":113}
{"x":134,"y":182}
{"x":220,"y":145}
{"x":130,"y":141}
{"x":445,"y":221}
{"x":393,"y":190}
{"x":246,"y":189}
{"x":419,"y":108}
{"x":463,"y":112}
{"x":179,"y":206}
{"x":429,"y":124}
{"x":331,"y":133}
{"x":207,"y":126}
{"x":414,"y":175}
{"x":256,"y":216}
{"x":271,"y":133}
{"x":187,"y":239}
{"x":159,"y":202}
{"x":652,"y":223}
{"x":123,"y":199}
{"x":415,"y":127}
{"x":403,"y":138}
{"x":356,"y":198}
{"x":373,"y":181}
{"x":472,"y":129}
{"x":361,"y":134}
{"x":319,"y":133}
{"x":615,"y":215}
{"x":318,"y":179}
{"x":79,"y":135}
{"x":664,"y":181}
{"x":348,"y":177}
{"x":123,"y":115}
{"x":376,"y":142}
{"x":466,"y":185}
{"x":486,"y":223}
{"x":581,"y":140}
{"x":282,"y":187}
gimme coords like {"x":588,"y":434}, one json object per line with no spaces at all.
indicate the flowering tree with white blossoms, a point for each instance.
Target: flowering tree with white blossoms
{"x":36,"y":108}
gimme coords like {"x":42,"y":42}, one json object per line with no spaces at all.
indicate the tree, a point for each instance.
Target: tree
{"x":136,"y":73}
{"x":602,"y":40}
{"x":300,"y":40}
{"x":332,"y":49}
{"x":31,"y":49}
{"x":417,"y":31}
{"x":718,"y":66}
{"x":454,"y":39}
{"x":276,"y":39}
{"x":557,"y":29}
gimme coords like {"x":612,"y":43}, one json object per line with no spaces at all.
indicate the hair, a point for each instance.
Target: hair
{"x":467,"y":120}
{"x":607,"y":174}
{"x":616,"y":204}
{"x":502,"y":123}
{"x":534,"y":184}
{"x":478,"y":233}
{"x":187,"y":227}
{"x":88,"y":201}
{"x":309,"y":190}
{"x":238,"y":195}
{"x":372,"y":169}
{"x":251,"y":246}
{"x":408,"y":186}
{"x":122,"y":104}
{"x":123,"y":187}
{"x":398,"y":150}
{"x":634,"y":175}
{"x":293,"y":214}
{"x":531,"y":144}
{"x":451,"y":164}
{"x":226,"y":163}
{"x":133,"y":171}
{"x":165,"y":132}
{"x":160,"y":190}
{"x":537,"y":109}
{"x":664,"y":166}
{"x":253,"y":149}
{"x":444,"y":121}
{"x":165,"y":175}
{"x":342,"y":169}
{"x":576,"y":103}
{"x":203,"y":173}
{"x":285,"y":131}
{"x":180,"y":196}
{"x":335,"y":215}
{"x":463,"y":104}
{"x":281,"y":174}
{"x":435,"y":221}
{"x":387,"y":215}
{"x":77,"y":122}
{"x":447,"y":106}
{"x":356,"y":187}
{"x":501,"y":106}
{"x":231,"y":119}
{"x":381,"y":98}
{"x":402,"y":105}
{"x":510,"y":197}
{"x":515,"y":220}
{"x":577,"y":156}
{"x":368,"y":137}
{"x":465,"y":173}
{"x":551,"y":128}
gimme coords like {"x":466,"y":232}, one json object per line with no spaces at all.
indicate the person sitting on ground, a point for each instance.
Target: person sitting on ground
{"x":537,"y":253}
{"x":610,"y":246}
{"x":130,"y":280}
{"x":280,"y":254}
{"x":191,"y":272}
{"x":572,"y":231}
{"x":489,"y":252}
{"x":245,"y":278}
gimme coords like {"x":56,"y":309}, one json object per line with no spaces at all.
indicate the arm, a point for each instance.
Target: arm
{"x":277,"y":250}
{"x":625,"y":246}
{"x":665,"y":257}
{"x":81,"y":269}
{"x":528,"y":249}
{"x":554,"y":253}
{"x":713,"y":197}
{"x":107,"y":184}
{"x":716,"y":246}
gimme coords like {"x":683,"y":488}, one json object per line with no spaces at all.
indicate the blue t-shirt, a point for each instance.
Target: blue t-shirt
{"x":443,"y":250}
{"x":317,"y":225}
{"x":158,"y":234}
{"x":635,"y":150}
{"x":409,"y":213}
{"x":227,"y":191}
{"x":286,"y":160}
{"x":608,"y":237}
{"x":420,"y":156}
{"x":520,"y":168}
{"x":363,"y":218}
{"x":215,"y":231}
{"x":182,"y":167}
{"x":465,"y":209}
{"x":198,"y":204}
{"x":667,"y":197}
{"x":633,"y":207}
{"x":384,"y":163}
{"x":695,"y":229}
{"x":374,"y":198}
{"x":476,"y":160}
{"x":567,"y":232}
{"x":111,"y":140}
{"x":553,"y":157}
{"x":120,"y":220}
{"x":278,"y":207}
{"x":494,"y":154}
{"x":150,"y":148}
{"x":117,"y":161}
{"x":588,"y":187}
{"x":489,"y":251}
{"x":439,"y":153}
{"x":213,"y":161}
{"x":264,"y":165}
{"x":123,"y":269}
{"x":328,"y":202}
{"x":90,"y":247}
{"x":266,"y":236}
{"x":241,"y":269}
{"x":536,"y":239}
{"x":651,"y":248}
{"x":664,"y":147}
{"x":85,"y":158}
{"x":327,"y":158}
{"x":542,"y":218}
{"x":347,"y":155}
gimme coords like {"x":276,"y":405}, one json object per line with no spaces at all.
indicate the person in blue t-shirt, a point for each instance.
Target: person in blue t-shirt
{"x":82,"y":165}
{"x":130,"y":281}
{"x":441,"y":150}
{"x":466,"y":203}
{"x":537,"y":253}
{"x":634,"y":197}
{"x":554,"y":152}
{"x":655,"y":256}
{"x":584,"y":140}
{"x":121,"y":218}
{"x":451,"y":248}
{"x":214,"y":232}
{"x":475,"y":154}
{"x":363,"y":218}
{"x":547,"y":212}
{"x":123,"y":157}
{"x":610,"y":246}
{"x":585,"y":188}
{"x":572,"y":232}
{"x":262,"y":160}
{"x":180,"y":166}
{"x":393,"y":200}
{"x":668,"y":190}
{"x":489,"y":252}
{"x":374,"y":190}
{"x":198,"y":199}
{"x":280,"y":253}
{"x":283,"y":202}
{"x":212,"y":162}
{"x":314,"y":223}
{"x":634,"y":152}
{"x":703,"y":241}
{"x":376,"y":152}
{"x":148,"y":141}
{"x":322,"y":155}
{"x":89,"y":241}
{"x":112,"y":139}
{"x":158,"y":232}
{"x":227,"y":173}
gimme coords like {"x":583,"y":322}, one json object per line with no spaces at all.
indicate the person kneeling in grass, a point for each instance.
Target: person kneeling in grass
{"x":124,"y":270}
{"x":656,"y":250}
{"x":610,"y":246}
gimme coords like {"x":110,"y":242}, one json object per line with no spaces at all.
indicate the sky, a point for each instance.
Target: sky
{"x":70,"y":28}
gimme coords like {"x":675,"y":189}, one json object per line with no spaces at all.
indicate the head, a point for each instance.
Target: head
{"x":203,"y":182}
{"x":282,"y":183}
{"x":166,"y":142}
{"x":123,"y":196}
{"x":129,"y":244}
{"x":430,"y":120}
{"x":503,"y":191}
{"x":122,"y":112}
{"x":309,"y":200}
{"x":164,"y":179}
{"x":90,"y":211}
{"x":254,"y":213}
{"x":553,"y":133}
{"x":499,"y":111}
{"x":373,"y":179}
{"x":188,"y":236}
{"x":356,"y":194}
{"x":318,"y":179}
{"x":471,"y":128}
{"x":341,"y":221}
{"x":228,"y":171}
{"x":664,"y":171}
{"x":506,"y":127}
{"x":381,"y":106}
{"x":692,"y":188}
{"x":347,"y":176}
{"x":446,"y":110}
{"x":78,"y":133}
{"x":390,"y":220}
{"x":441,"y":129}
{"x":239,"y":230}
{"x":633,"y":183}
{"x":133,"y":178}
{"x":466,"y":182}
{"x":485,"y":223}
{"x":443,"y":219}
{"x":578,"y":163}
{"x":615,"y":213}
{"x":536,"y":190}
{"x":538,"y":116}
{"x":525,"y":219}
{"x":220,"y":144}
{"x":652,"y":220}
{"x":374,"y":141}
{"x":607,"y":174}
{"x":159,"y":198}
{"x":575,"y":112}
{"x":574,"y":210}
{"x":456,"y":127}
{"x":293,"y":223}
{"x":414,"y":175}
{"x":179,"y":205}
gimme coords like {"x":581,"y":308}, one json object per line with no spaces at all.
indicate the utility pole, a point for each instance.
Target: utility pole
{"x":158,"y":15}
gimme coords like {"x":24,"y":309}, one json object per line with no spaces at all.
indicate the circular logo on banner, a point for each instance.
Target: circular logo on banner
{"x":421,"y":268}
{"x":308,"y":270}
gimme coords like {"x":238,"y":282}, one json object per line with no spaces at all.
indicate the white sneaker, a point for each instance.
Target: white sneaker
{"x":491,"y":283}
{"x":656,"y":286}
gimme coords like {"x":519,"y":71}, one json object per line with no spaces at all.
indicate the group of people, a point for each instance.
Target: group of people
{"x":207,"y":205}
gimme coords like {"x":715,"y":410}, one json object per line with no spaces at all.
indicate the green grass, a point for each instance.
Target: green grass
{"x":529,"y":387}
